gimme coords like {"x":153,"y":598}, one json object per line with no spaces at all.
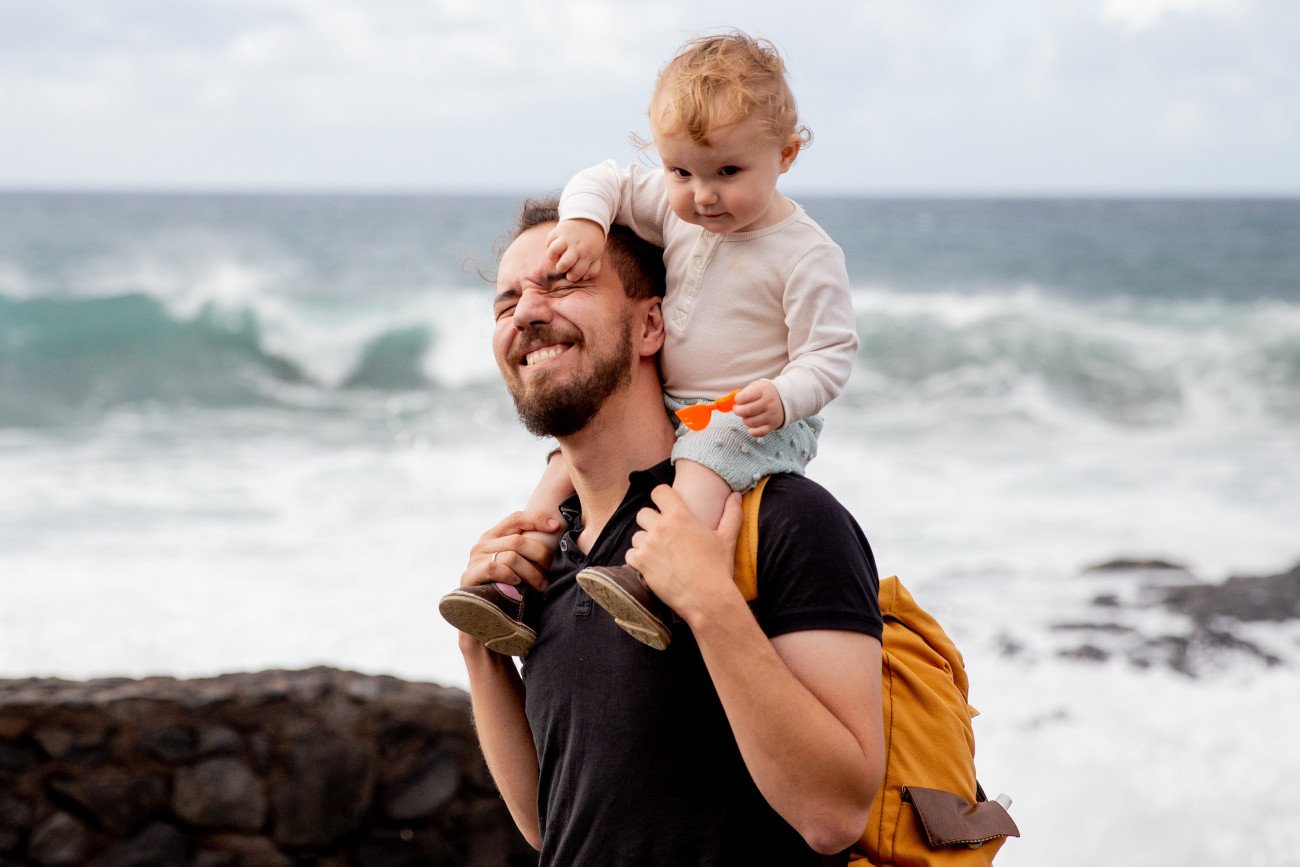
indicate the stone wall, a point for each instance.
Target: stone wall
{"x":316,"y":767}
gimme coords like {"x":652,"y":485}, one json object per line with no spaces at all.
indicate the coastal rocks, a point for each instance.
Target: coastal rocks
{"x":220,"y":793}
{"x":329,"y":787}
{"x":246,"y":770}
{"x":1156,"y":613}
{"x":58,"y":840}
{"x":1274,"y":599}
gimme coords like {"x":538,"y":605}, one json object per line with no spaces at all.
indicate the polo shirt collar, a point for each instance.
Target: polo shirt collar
{"x":639,"y":485}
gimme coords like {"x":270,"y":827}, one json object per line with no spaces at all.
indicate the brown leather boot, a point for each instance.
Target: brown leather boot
{"x":491,"y":616}
{"x":622,"y":592}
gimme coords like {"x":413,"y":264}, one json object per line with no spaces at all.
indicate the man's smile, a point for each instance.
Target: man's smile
{"x":544,"y":354}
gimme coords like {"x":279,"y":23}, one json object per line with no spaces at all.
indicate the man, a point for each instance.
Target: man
{"x":756,"y":736}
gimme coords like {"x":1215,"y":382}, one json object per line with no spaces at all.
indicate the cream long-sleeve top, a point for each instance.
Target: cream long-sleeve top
{"x":770,"y":304}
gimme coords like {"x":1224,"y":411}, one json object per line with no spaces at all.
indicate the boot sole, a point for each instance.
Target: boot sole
{"x":489,"y":624}
{"x":630,"y":615}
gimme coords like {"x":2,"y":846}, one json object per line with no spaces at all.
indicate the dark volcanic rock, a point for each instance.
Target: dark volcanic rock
{"x":15,"y":760}
{"x":328,"y":786}
{"x":120,"y":802}
{"x":220,"y":793}
{"x":1126,"y":565}
{"x":242,"y":850}
{"x":1212,"y":612}
{"x":1273,"y":598}
{"x":432,"y":783}
{"x":174,"y":743}
{"x":159,"y":845}
{"x":314,"y":768}
{"x":79,"y":746}
{"x":219,"y":740}
{"x":59,"y":840}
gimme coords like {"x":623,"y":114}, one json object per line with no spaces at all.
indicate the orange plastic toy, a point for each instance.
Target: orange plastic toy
{"x":697,"y":417}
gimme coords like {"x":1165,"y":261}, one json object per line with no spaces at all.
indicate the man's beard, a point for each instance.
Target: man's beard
{"x":555,"y":409}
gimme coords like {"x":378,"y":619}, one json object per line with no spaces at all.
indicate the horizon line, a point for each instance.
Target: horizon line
{"x":420,"y":191}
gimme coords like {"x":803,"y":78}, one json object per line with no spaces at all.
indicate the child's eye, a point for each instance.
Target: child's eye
{"x":728,"y":171}
{"x":681,"y":173}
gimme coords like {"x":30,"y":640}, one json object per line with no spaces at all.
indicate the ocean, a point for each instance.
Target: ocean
{"x":251,"y":431}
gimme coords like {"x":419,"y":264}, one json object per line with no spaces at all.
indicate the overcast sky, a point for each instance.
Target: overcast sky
{"x":903,"y":96}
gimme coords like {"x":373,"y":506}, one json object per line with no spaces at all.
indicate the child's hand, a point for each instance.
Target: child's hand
{"x":575,"y":247}
{"x":759,"y":406}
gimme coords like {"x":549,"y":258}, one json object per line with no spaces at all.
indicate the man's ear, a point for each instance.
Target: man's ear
{"x":651,"y":332}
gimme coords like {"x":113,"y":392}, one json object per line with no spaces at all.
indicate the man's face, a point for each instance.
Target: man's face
{"x":563,"y":347}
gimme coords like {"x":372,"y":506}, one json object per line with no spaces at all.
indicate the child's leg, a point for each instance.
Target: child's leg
{"x":495,"y":613}
{"x":704,"y":491}
{"x":622,"y":591}
{"x":552,"y":489}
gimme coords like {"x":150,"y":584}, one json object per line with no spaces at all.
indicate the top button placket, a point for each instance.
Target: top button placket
{"x":705,"y":246}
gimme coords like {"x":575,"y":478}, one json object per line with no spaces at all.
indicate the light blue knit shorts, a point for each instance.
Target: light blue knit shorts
{"x":726,"y":447}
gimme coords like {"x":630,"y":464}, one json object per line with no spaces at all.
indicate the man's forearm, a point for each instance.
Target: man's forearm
{"x":807,"y":721}
{"x":497,"y":696}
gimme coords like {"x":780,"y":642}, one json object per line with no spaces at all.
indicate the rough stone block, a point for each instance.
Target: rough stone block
{"x":328,"y":786}
{"x":121,"y":802}
{"x":173,"y":744}
{"x":220,"y":793}
{"x":243,"y":850}
{"x":427,"y":788}
{"x":59,"y":841}
{"x":158,"y":845}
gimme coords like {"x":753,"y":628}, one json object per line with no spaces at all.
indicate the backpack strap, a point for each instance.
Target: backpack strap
{"x":746,"y":565}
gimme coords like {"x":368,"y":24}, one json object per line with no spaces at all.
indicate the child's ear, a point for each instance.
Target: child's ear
{"x":790,"y":151}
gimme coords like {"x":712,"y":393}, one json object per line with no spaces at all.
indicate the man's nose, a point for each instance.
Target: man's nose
{"x":533,"y":306}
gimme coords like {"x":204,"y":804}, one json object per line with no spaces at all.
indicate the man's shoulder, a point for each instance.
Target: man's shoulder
{"x":795,"y":510}
{"x":790,"y":495}
{"x":815,"y":566}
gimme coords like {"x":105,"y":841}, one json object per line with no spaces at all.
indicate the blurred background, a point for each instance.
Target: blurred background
{"x":249,"y":416}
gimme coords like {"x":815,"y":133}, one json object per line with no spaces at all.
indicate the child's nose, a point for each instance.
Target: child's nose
{"x":705,"y":195}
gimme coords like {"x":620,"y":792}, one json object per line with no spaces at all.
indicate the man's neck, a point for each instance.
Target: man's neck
{"x":629,"y":433}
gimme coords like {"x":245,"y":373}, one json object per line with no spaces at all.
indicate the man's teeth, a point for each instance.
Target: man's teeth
{"x":542,"y":355}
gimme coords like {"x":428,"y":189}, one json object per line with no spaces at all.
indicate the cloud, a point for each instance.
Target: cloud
{"x":514,"y":94}
{"x":1138,"y":15}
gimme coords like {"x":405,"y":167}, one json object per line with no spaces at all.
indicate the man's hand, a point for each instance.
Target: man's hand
{"x":759,"y":406}
{"x":505,"y":555}
{"x":686,"y":564}
{"x":574,"y":248}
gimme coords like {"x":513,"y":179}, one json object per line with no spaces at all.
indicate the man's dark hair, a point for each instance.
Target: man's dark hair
{"x":638,"y":263}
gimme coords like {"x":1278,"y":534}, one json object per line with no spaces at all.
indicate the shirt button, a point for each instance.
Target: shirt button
{"x":564,"y":545}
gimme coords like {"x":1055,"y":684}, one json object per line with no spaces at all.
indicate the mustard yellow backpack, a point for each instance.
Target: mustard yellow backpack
{"x":930,"y":809}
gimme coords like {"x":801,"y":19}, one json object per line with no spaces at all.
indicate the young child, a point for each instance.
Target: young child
{"x":757,"y":297}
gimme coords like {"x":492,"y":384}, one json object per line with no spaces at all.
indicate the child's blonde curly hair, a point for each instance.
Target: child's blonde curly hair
{"x":717,"y":80}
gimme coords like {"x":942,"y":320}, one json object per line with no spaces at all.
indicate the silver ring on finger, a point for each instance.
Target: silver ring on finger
{"x":494,"y":556}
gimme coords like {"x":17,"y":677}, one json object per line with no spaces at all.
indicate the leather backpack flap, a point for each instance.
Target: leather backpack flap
{"x":951,"y":820}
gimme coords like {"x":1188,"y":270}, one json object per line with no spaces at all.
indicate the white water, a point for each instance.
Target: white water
{"x":991,"y":443}
{"x":166,"y":543}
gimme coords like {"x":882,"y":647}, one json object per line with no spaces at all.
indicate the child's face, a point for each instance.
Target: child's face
{"x":730,"y":185}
